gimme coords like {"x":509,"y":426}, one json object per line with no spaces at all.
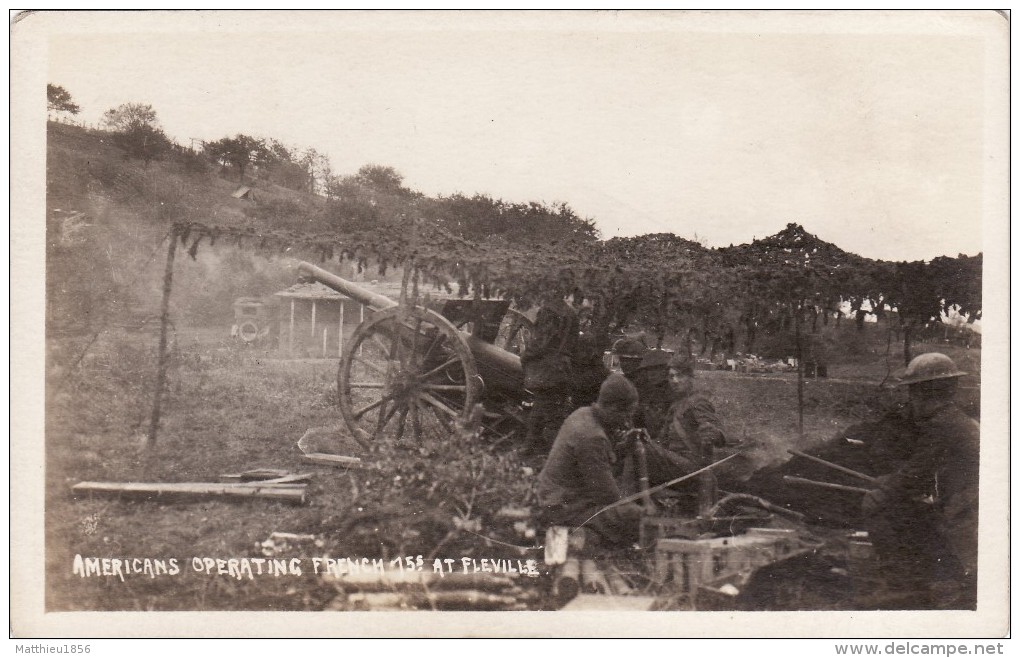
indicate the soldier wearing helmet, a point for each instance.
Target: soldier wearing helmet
{"x":629,"y":351}
{"x":922,"y":518}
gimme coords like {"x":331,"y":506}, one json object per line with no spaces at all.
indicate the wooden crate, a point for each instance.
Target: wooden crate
{"x":685,"y":565}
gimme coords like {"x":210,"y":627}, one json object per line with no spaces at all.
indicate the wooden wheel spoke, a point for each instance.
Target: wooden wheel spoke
{"x":416,"y":420}
{"x":440,"y":414}
{"x":402,"y":421}
{"x":397,"y":351}
{"x":414,"y":341}
{"x":438,"y":369}
{"x":385,"y":416}
{"x":369,"y":407}
{"x":445,"y":388}
{"x":372,"y":365}
{"x":380,"y":421}
{"x":439,"y":404}
{"x":436,"y":340}
{"x":415,"y":369}
{"x":382,"y":346}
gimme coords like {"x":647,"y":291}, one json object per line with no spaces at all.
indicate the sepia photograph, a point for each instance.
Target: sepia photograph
{"x":602,"y":323}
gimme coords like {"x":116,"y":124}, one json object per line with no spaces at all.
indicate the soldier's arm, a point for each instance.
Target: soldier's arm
{"x":597,"y":465}
{"x":915,"y":476}
{"x":710,"y":433}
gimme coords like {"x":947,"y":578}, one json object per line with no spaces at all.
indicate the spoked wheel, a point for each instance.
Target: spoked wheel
{"x":413,"y":376}
{"x":515,"y":332}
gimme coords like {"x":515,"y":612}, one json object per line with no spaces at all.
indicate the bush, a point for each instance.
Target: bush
{"x":442,"y":493}
{"x":284,"y":213}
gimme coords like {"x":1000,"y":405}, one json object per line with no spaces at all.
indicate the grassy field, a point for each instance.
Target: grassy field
{"x":229,"y":409}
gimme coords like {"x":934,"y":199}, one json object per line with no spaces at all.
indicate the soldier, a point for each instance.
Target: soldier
{"x":629,"y":351}
{"x":685,"y":437}
{"x":587,"y":369}
{"x":922,"y":518}
{"x":547,"y":374}
{"x":651,"y":378}
{"x":578,"y":478}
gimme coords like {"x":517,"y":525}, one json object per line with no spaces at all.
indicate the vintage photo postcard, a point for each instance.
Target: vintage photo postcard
{"x":512,"y":324}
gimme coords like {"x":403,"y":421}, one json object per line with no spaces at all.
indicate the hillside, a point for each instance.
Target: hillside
{"x":107,"y":214}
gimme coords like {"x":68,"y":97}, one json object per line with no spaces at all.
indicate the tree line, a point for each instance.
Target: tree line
{"x":373,"y":195}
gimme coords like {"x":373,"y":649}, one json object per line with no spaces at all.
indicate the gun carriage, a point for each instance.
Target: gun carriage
{"x":414,"y":366}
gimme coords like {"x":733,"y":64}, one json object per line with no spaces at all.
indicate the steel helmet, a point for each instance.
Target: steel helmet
{"x":929,"y":367}
{"x":630,"y":347}
{"x":655,"y":359}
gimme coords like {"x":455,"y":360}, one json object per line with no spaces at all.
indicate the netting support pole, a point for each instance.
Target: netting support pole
{"x":798,"y":308}
{"x":164,"y":322}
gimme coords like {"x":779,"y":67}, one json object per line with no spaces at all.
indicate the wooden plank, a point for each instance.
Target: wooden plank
{"x":341,"y":461}
{"x":257,"y":474}
{"x":291,"y":493}
{"x":297,"y":478}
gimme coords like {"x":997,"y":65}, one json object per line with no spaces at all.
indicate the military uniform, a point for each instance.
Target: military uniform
{"x":578,"y":481}
{"x":923,"y":522}
{"x":922,"y":517}
{"x":587,"y":370}
{"x":685,"y":442}
{"x":547,"y":373}
{"x":654,"y":396}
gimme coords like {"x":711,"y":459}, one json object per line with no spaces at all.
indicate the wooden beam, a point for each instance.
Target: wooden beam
{"x":265,"y":477}
{"x":292,"y":326}
{"x":289,"y":493}
{"x":341,"y":461}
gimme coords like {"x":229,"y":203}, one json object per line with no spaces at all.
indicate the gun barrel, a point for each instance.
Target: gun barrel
{"x":373,"y":300}
{"x":500,"y":369}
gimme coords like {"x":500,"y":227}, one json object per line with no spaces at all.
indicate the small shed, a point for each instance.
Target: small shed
{"x":316,"y":320}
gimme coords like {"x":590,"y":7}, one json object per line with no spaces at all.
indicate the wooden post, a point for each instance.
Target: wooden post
{"x":157,"y":398}
{"x":362,"y":319}
{"x":908,"y":331}
{"x":292,"y":326}
{"x":325,"y":333}
{"x":340,"y":336}
{"x":313,"y":318}
{"x":800,"y":374}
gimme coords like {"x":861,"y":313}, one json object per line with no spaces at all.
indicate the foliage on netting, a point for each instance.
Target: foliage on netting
{"x":660,"y":281}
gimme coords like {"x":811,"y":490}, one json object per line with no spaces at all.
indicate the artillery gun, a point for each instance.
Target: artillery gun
{"x":411,"y":367}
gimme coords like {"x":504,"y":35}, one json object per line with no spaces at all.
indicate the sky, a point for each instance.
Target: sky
{"x":721,"y":127}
